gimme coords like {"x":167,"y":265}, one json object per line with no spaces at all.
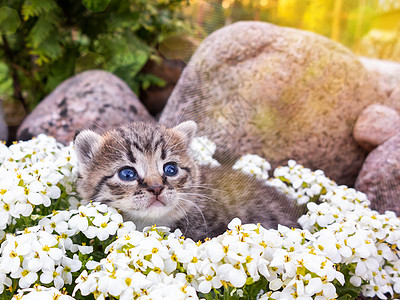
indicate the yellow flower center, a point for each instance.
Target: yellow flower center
{"x":128,"y":281}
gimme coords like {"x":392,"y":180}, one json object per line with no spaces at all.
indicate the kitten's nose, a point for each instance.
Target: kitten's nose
{"x":155,"y":189}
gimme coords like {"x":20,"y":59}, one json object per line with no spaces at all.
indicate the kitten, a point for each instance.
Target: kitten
{"x":146,"y":172}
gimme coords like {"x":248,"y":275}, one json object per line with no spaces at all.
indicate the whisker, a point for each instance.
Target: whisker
{"x":200,"y":196}
{"x":185,"y":216}
{"x":198,"y":208}
{"x":203,"y":187}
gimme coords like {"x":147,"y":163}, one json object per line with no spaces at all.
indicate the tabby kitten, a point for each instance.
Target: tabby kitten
{"x":146,"y":172}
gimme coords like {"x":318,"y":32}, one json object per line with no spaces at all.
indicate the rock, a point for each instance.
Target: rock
{"x":90,"y":99}
{"x":387,"y":72}
{"x":154,"y":98}
{"x":376,"y":124}
{"x":379,"y":177}
{"x":3,"y":125}
{"x":278,"y":92}
{"x":395,"y":95}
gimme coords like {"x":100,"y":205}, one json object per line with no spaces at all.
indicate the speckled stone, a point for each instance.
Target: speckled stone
{"x":90,"y":99}
{"x":278,"y":92}
{"x":379,"y":177}
{"x":395,"y":95}
{"x":3,"y":125}
{"x":387,"y":72}
{"x":376,"y":124}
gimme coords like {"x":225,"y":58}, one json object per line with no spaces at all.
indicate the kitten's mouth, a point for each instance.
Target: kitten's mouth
{"x":156,"y":202}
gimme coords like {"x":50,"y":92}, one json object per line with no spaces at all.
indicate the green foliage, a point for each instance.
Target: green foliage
{"x":96,"y":5}
{"x":347,"y":291}
{"x":47,"y":41}
{"x":9,"y":20}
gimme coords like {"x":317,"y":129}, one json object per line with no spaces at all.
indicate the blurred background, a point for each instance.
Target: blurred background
{"x":148,"y":42}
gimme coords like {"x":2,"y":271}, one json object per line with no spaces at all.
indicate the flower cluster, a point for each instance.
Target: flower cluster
{"x":243,"y":255}
{"x":34,"y":174}
{"x":48,"y":253}
{"x":362,"y":240}
{"x":301,"y":183}
{"x":343,"y":248}
{"x":202,"y":150}
{"x":139,"y":266}
{"x":40,"y":292}
{"x":253,"y":165}
{"x":35,"y":255}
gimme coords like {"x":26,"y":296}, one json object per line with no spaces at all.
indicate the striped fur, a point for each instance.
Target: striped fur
{"x":201,"y":201}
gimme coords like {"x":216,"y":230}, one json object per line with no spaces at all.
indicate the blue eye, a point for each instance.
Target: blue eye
{"x":127,"y":174}
{"x":170,"y":169}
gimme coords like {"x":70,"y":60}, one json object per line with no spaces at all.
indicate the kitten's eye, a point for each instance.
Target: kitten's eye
{"x":170,"y":169}
{"x":127,"y":174}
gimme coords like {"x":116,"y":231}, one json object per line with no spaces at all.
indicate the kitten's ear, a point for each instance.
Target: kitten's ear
{"x":86,"y":143}
{"x":187,"y":129}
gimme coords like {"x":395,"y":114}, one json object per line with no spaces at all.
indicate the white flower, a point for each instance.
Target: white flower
{"x":4,"y":281}
{"x":79,"y":221}
{"x":85,"y":283}
{"x":253,"y":165}
{"x":26,"y":277}
{"x":172,"y":289}
{"x":53,"y":276}
{"x":235,"y":274}
{"x":202,"y":150}
{"x":39,"y":292}
{"x":12,"y":249}
{"x":70,"y":266}
{"x":106,"y":227}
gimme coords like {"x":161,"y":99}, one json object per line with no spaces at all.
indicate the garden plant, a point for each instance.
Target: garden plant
{"x":54,"y":246}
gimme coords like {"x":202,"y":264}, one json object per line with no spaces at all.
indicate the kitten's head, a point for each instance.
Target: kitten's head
{"x":141,"y":169}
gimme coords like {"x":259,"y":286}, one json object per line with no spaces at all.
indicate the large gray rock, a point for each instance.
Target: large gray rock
{"x":90,"y":99}
{"x":376,"y":124}
{"x":379,"y":177}
{"x":3,"y":125}
{"x":387,"y":72}
{"x":395,"y":95}
{"x":278,"y":92}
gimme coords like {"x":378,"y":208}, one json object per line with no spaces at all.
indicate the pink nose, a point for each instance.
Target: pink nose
{"x":155,"y":189}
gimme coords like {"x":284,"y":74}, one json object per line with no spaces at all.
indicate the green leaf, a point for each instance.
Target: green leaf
{"x":34,"y":8}
{"x":9,"y":20}
{"x":48,"y":51}
{"x":89,"y":61}
{"x":61,"y":69}
{"x":6,"y":86}
{"x":96,"y":5}
{"x":150,"y":80}
{"x":125,"y":56}
{"x":40,"y":31}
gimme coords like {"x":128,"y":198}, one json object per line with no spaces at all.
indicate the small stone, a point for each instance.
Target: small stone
{"x":90,"y":99}
{"x":387,"y":72}
{"x":376,"y":124}
{"x":379,"y":177}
